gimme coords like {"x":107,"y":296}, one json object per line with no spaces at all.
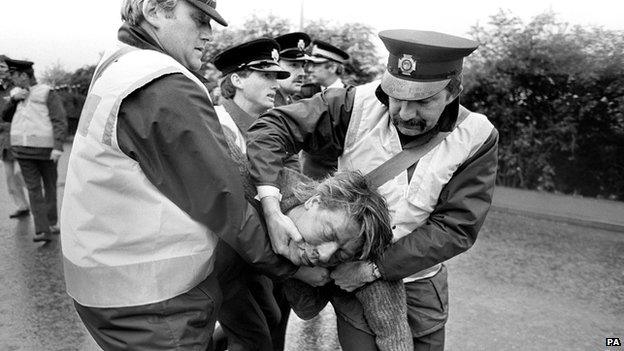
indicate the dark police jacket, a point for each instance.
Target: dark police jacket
{"x":179,"y":144}
{"x":316,"y":166}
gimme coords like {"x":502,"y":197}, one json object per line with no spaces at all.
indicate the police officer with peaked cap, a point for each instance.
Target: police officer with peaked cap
{"x":260,"y":55}
{"x":325,"y":67}
{"x":139,"y":264}
{"x":250,"y":72}
{"x":293,"y":58}
{"x":250,"y":313}
{"x":38,"y":131}
{"x":14,"y":181}
{"x":437,"y":203}
{"x":327,"y":64}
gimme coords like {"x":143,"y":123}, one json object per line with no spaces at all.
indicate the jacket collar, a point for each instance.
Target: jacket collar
{"x":241,"y":118}
{"x":281,"y":99}
{"x":138,"y":37}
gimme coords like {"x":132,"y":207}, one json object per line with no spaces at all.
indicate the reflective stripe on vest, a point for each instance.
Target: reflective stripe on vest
{"x":372,"y":140}
{"x":31,"y":125}
{"x":229,"y":127}
{"x":124,"y":242}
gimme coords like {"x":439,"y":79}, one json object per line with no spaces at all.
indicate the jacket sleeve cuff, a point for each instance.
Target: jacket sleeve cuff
{"x":381,"y":268}
{"x":268,"y":190}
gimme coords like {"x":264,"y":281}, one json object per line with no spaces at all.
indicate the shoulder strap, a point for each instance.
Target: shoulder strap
{"x":410,"y":155}
{"x":109,"y":61}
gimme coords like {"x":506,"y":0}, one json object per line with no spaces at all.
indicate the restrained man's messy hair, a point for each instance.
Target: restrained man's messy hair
{"x":350,"y":191}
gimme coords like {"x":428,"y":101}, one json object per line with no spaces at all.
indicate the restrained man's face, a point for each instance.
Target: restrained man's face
{"x":184,"y":34}
{"x":330,"y":236}
{"x":415,"y":117}
{"x":292,"y":85}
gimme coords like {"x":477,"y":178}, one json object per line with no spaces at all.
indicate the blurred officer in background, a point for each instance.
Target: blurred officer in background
{"x":38,"y":131}
{"x":327,"y":65}
{"x":13,"y":175}
{"x":293,"y":59}
{"x":325,"y":69}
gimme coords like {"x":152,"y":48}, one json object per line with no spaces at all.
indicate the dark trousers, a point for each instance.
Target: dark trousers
{"x":42,"y":199}
{"x":427,"y":312}
{"x":249,"y":310}
{"x":278,"y":331}
{"x":353,"y":339}
{"x":243,"y":319}
{"x":185,"y":322}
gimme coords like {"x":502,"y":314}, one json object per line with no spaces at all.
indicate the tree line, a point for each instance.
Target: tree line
{"x":554,"y":91}
{"x":556,"y":94}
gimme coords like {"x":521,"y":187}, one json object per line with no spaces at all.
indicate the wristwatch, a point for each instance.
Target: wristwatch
{"x":375,"y":270}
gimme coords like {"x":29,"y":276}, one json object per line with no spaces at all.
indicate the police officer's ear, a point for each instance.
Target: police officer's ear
{"x":333,"y":67}
{"x":236,"y":80}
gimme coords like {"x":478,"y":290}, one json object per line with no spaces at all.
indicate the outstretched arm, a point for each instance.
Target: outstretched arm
{"x":316,"y":125}
{"x":170,"y":128}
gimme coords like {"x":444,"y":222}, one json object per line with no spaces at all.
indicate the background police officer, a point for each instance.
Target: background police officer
{"x":327,"y":64}
{"x":293,"y":59}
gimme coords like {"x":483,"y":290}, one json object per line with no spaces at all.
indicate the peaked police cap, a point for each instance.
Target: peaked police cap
{"x":293,"y":46}
{"x":421,"y":63}
{"x":210,"y":8}
{"x":18,"y":65}
{"x":258,"y":55}
{"x":323,"y":51}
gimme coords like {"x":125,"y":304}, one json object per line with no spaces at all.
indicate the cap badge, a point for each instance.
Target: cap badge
{"x":407,"y":64}
{"x":275,"y":55}
{"x":301,"y":45}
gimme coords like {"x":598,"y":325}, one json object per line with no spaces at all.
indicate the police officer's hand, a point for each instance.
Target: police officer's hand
{"x":352,"y":275}
{"x":281,"y":229}
{"x":315,"y":276}
{"x":55,"y":155}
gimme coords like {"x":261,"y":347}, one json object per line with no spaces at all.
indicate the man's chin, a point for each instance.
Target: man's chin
{"x":410,"y":131}
{"x":195,"y":63}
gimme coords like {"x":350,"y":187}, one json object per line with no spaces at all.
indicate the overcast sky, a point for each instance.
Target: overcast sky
{"x":73,"y":32}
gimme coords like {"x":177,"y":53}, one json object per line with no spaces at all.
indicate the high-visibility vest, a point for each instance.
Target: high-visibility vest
{"x":372,"y":140}
{"x":31,"y":125}
{"x":125,"y":243}
{"x":230,"y":128}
